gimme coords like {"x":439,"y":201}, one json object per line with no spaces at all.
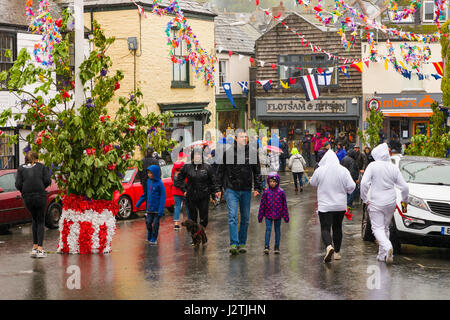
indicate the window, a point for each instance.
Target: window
{"x":7,"y":42}
{"x":295,"y":66}
{"x":8,"y":182}
{"x":222,"y":73}
{"x":428,"y":12}
{"x":7,"y":153}
{"x":180,"y":72}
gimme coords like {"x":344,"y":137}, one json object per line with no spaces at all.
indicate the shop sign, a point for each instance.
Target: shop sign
{"x":303,"y":106}
{"x":400,"y":102}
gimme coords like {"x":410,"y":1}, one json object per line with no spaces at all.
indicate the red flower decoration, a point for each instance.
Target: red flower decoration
{"x":72,"y":83}
{"x":80,"y":204}
{"x":112,"y":166}
{"x":38,"y":140}
{"x":64,"y":234}
{"x":102,"y":118}
{"x":85,"y":237}
{"x":116,"y":86}
{"x":102,"y":233}
{"x":58,"y":23}
{"x":65,"y":94}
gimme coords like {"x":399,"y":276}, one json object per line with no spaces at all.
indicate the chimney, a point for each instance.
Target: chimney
{"x":279,"y":10}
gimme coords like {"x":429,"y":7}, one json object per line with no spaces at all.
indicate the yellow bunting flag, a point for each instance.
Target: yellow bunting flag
{"x":385,"y":64}
{"x":284,"y":85}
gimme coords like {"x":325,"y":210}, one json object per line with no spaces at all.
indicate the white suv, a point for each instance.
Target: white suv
{"x":427,"y":222}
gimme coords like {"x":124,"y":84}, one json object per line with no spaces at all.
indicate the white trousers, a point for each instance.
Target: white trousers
{"x":380,"y":218}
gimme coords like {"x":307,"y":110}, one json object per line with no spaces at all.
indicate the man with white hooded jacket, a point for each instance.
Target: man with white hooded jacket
{"x":333,"y":182}
{"x":377,"y":191}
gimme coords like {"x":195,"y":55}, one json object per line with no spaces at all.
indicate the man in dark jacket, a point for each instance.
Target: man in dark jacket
{"x":306,"y":148}
{"x":148,"y":161}
{"x":361,"y":160}
{"x":284,"y":155}
{"x":349,"y":162}
{"x":237,"y":173}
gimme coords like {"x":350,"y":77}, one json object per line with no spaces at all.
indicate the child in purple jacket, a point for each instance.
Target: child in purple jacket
{"x":273,"y":207}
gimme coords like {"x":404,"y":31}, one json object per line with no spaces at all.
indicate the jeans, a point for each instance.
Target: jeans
{"x":299,"y":176}
{"x":36,"y":204}
{"x":351,"y":197}
{"x":235,"y":199}
{"x":178,"y":201}
{"x":332,"y":220}
{"x":277,"y":224}
{"x":152,"y":222}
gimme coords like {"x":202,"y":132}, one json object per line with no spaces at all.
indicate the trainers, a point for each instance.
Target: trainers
{"x":242,"y":249}
{"x":33,"y":252}
{"x":277,"y":250}
{"x":41,"y":254}
{"x":337,"y":256}
{"x":153,"y":242}
{"x":233,"y":249}
{"x":296,"y":190}
{"x":177,"y":227}
{"x":390,"y":256}
{"x":266,"y":250}
{"x":329,"y":254}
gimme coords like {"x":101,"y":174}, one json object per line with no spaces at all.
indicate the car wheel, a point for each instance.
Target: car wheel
{"x":54,"y":211}
{"x":125,"y":208}
{"x":366,"y":226}
{"x":171,"y":209}
{"x":396,"y":243}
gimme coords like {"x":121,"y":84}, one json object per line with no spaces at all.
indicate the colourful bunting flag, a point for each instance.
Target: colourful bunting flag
{"x":439,"y":66}
{"x":344,"y":71}
{"x":310,"y":87}
{"x":284,"y":85}
{"x":358,"y":66}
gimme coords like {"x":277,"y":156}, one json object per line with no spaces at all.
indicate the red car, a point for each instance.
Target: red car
{"x":12,"y":208}
{"x":133,"y":191}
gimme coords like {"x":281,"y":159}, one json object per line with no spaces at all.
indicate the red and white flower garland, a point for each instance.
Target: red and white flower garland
{"x":86,"y":226}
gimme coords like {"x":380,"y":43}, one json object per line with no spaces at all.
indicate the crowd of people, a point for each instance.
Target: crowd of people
{"x":238,"y":176}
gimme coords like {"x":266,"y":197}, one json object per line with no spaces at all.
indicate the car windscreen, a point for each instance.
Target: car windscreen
{"x":166,"y":171}
{"x":128,"y":176}
{"x":426,"y":172}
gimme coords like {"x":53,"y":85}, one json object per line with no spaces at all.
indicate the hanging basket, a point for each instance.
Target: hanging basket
{"x":86,"y":226}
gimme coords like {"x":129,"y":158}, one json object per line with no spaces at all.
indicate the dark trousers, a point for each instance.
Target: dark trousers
{"x":198,"y":207}
{"x":351,"y":197}
{"x":332,"y":220}
{"x":152,"y":222}
{"x":36,"y":204}
{"x":307,"y":157}
{"x":282,"y":164}
{"x":299,"y":176}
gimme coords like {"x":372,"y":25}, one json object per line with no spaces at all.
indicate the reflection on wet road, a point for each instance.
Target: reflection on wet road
{"x":175,"y":270}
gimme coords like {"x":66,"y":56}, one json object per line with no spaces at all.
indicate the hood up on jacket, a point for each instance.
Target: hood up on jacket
{"x":352,"y":154}
{"x":178,"y":165}
{"x":156,"y":170}
{"x":294,"y":151}
{"x":274,"y":175}
{"x":196,"y":150}
{"x":381,"y":152}
{"x":329,"y":159}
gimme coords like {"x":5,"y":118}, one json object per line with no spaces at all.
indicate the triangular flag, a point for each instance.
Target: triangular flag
{"x":358,"y":66}
{"x":251,"y":60}
{"x":367,"y":63}
{"x":262,"y":63}
{"x":436,"y":76}
{"x":266,"y":84}
{"x":230,"y":53}
{"x":324,"y":79}
{"x":331,"y":69}
{"x":344,"y":71}
{"x":227,"y":88}
{"x":401,"y":63}
{"x":240,"y":57}
{"x":244,"y":86}
{"x":385,"y":64}
{"x":319,"y":70}
{"x":274,"y":66}
{"x":310,"y":70}
{"x":284,"y":85}
{"x":220,"y":49}
{"x":291,"y":80}
{"x":286,"y":68}
{"x":439,"y":66}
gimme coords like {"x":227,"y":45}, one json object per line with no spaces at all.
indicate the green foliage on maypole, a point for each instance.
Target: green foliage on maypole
{"x":87,"y":150}
{"x":445,"y":52}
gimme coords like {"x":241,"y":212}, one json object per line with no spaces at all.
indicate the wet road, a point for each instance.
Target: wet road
{"x":174,"y":270}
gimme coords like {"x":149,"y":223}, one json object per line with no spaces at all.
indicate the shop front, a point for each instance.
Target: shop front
{"x":189,"y":119}
{"x":229,"y":117}
{"x":326,"y":115}
{"x":406,"y":114}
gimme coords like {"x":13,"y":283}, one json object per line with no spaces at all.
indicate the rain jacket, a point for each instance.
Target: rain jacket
{"x":296,"y":161}
{"x":237,"y":176}
{"x":175,"y":170}
{"x":379,"y":179}
{"x":273,"y":202}
{"x":341,"y":153}
{"x":155,"y":193}
{"x":333,"y":183}
{"x":349,"y":162}
{"x":198,"y":180}
{"x":318,"y":143}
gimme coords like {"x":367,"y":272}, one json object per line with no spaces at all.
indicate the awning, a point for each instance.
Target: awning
{"x":413,"y":113}
{"x":190,"y":109}
{"x":184,"y":113}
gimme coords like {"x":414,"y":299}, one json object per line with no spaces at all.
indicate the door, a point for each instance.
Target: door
{"x":421,"y":127}
{"x":12,"y":208}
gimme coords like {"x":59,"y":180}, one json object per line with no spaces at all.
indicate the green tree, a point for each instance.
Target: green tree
{"x":87,"y":150}
{"x":437,"y":144}
{"x":445,"y":52}
{"x":371,"y":137}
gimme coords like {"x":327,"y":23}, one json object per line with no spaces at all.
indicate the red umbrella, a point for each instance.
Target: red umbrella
{"x":200,"y":143}
{"x":273,"y":149}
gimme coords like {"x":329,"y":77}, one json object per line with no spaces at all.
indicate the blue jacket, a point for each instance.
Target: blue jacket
{"x":155,"y":193}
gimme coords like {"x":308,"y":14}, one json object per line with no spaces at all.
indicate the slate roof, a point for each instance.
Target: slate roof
{"x":188,"y":6}
{"x":234,"y":35}
{"x":12,"y":12}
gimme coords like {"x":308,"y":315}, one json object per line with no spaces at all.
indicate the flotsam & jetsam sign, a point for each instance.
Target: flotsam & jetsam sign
{"x":303,"y":106}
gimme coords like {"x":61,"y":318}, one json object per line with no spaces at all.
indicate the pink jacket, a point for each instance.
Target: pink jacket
{"x":318,"y":143}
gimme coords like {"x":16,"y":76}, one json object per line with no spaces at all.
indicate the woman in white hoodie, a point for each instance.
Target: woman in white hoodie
{"x":378,"y":193}
{"x":333,"y":183}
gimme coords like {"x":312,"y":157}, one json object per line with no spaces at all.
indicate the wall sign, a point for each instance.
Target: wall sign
{"x":374,"y":104}
{"x":303,"y":106}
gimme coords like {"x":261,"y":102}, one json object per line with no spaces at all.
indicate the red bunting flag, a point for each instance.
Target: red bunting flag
{"x":367,"y":63}
{"x":274,"y":66}
{"x":319,"y":70}
{"x":291,"y":80}
{"x":439,"y":66}
{"x":251,"y":60}
{"x":230,"y":53}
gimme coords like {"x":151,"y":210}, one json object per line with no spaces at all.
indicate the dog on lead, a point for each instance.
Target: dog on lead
{"x":197,"y":232}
